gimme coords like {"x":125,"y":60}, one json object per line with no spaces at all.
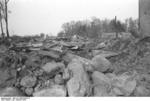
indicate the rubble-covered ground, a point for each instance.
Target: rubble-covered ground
{"x":74,"y":67}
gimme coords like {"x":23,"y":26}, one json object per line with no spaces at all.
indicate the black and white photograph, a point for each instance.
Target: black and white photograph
{"x":74,"y":48}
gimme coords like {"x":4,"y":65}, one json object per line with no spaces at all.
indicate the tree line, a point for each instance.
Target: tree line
{"x":95,"y":27}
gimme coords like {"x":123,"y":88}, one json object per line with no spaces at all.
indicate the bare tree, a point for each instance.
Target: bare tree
{"x":1,"y":17}
{"x":6,"y":17}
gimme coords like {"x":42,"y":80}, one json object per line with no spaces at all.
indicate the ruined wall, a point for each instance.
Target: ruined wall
{"x":144,"y":15}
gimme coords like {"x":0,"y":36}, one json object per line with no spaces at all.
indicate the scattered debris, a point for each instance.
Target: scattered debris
{"x":77,"y":67}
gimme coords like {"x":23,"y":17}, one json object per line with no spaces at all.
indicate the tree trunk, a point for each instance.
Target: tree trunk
{"x":1,"y":23}
{"x":6,"y":19}
{"x":144,"y":17}
{"x":116,"y":27}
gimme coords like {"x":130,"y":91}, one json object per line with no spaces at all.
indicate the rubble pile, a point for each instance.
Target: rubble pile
{"x":61,"y":67}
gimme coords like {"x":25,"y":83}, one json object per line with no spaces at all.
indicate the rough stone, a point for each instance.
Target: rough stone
{"x":58,"y":79}
{"x":11,"y":92}
{"x":50,"y":53}
{"x":68,"y":57}
{"x":101,"y":45}
{"x":28,"y":81}
{"x":141,"y":91}
{"x":52,"y":67}
{"x":96,"y":52}
{"x":125,"y":84}
{"x":7,"y":77}
{"x":3,"y":76}
{"x":29,"y":91}
{"x":101,"y":64}
{"x":103,"y":53}
{"x":79,"y":83}
{"x":66,"y":74}
{"x":54,"y":91}
{"x":38,"y":72}
{"x":110,"y":75}
{"x":102,"y":84}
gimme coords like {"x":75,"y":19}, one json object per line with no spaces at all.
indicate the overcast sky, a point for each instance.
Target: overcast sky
{"x":35,"y":16}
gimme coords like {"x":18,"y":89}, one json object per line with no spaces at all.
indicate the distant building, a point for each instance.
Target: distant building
{"x":113,"y":35}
